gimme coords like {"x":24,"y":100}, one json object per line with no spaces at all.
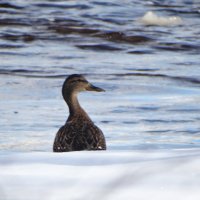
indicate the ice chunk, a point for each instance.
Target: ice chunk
{"x":150,"y":18}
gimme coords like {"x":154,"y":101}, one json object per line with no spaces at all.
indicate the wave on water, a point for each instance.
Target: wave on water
{"x":185,"y":79}
{"x":151,"y":18}
{"x":50,"y":74}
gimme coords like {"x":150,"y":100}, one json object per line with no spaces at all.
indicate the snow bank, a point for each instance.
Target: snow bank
{"x":150,"y":18}
{"x":100,"y":175}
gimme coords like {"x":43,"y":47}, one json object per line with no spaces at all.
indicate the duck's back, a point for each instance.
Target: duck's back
{"x":77,"y":136}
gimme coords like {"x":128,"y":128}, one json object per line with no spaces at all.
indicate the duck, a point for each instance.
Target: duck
{"x":79,"y":132}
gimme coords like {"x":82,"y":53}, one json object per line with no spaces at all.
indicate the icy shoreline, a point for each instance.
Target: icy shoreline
{"x":100,"y":175}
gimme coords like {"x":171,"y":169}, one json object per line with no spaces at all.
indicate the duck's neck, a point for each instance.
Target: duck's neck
{"x":75,"y":109}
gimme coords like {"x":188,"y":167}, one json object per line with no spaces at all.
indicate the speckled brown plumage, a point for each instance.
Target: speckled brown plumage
{"x":79,"y":132}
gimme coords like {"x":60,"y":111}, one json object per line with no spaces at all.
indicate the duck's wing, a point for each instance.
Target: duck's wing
{"x":94,"y":137}
{"x":63,"y":139}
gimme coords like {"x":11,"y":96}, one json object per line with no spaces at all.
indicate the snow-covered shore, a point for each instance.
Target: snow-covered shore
{"x":101,"y":175}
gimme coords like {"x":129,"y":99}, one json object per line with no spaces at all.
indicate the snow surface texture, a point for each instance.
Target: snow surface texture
{"x":107,"y":175}
{"x":150,"y":18}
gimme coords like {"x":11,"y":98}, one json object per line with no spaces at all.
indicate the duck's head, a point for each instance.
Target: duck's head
{"x":77,"y":83}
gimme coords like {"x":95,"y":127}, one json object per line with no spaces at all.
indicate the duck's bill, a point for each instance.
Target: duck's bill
{"x":94,"y":88}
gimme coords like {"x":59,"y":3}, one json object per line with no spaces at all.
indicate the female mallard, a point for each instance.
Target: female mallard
{"x":79,"y":132}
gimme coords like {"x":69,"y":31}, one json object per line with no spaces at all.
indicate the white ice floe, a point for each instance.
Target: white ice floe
{"x":150,"y":18}
{"x":107,"y":175}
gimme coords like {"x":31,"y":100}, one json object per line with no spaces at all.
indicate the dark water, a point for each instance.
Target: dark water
{"x":151,"y":73}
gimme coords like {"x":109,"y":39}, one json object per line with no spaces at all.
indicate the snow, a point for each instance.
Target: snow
{"x":101,"y":175}
{"x":151,"y":18}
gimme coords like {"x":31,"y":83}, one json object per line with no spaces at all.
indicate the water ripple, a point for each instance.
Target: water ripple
{"x":99,"y":47}
{"x":175,"y":78}
{"x":62,"y":6}
{"x":10,"y":5}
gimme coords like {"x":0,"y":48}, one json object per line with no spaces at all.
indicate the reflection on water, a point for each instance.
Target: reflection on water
{"x":150,"y":73}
